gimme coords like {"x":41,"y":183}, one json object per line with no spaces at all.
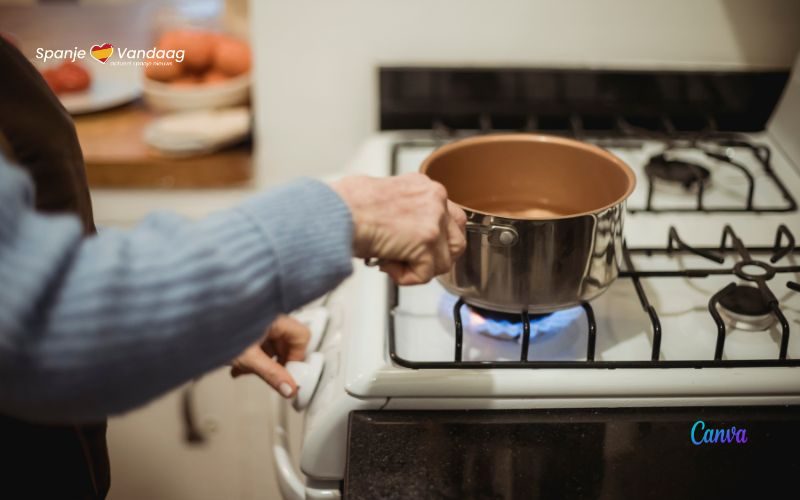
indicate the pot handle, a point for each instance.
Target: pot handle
{"x":498,"y":234}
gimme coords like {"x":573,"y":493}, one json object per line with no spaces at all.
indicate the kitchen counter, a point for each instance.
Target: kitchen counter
{"x":117,"y":156}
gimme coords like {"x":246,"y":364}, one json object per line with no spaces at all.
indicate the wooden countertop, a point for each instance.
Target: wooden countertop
{"x":116,"y":156}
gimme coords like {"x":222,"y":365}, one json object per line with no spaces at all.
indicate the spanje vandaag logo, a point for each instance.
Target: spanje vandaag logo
{"x":105,"y":53}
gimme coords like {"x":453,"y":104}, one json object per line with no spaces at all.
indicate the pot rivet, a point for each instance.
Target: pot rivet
{"x":506,"y":237}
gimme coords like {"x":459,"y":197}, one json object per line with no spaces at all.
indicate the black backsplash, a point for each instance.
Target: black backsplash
{"x":601,"y":101}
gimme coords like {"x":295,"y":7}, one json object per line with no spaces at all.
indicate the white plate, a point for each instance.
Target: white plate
{"x":111,"y":86}
{"x":200,"y":131}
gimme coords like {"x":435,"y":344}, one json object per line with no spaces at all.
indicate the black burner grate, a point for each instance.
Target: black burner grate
{"x":730,"y":243}
{"x":696,"y":177}
{"x":629,"y":135}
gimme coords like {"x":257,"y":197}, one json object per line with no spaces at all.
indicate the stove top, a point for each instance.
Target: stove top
{"x":670,"y":308}
{"x":680,"y":301}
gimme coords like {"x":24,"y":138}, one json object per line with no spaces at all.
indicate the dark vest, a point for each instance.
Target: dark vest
{"x":46,"y":461}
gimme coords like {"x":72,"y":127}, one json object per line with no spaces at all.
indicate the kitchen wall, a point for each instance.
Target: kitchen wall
{"x":316,"y":81}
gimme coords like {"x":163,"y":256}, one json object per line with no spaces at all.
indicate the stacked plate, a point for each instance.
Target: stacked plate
{"x":199,"y":132}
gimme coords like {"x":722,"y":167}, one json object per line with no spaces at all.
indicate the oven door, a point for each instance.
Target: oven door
{"x":651,"y":453}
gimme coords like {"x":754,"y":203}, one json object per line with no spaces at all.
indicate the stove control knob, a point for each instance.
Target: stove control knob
{"x":316,"y":319}
{"x":307,"y":374}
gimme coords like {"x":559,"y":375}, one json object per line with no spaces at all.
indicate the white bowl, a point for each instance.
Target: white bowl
{"x":167,"y":97}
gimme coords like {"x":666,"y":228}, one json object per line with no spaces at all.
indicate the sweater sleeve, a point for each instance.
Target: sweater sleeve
{"x":95,"y":326}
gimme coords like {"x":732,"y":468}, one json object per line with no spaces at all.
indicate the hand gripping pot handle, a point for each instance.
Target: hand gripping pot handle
{"x":497,"y":235}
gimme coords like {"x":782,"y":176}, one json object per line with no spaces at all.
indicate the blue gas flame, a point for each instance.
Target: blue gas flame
{"x":542,"y":326}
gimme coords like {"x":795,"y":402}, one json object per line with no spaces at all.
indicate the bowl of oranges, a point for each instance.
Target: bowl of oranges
{"x":211,"y":70}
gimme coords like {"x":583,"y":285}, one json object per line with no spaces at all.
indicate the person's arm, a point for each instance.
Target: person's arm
{"x":91,"y":327}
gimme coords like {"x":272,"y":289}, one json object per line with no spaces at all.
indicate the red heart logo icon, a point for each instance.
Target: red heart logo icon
{"x":102,"y":52}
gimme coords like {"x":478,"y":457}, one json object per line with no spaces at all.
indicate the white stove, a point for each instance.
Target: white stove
{"x":685,"y":325}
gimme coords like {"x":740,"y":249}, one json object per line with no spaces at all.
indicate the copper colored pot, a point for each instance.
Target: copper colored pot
{"x":544,"y":214}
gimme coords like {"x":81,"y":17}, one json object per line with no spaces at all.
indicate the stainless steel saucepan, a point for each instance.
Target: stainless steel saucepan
{"x":545,"y":218}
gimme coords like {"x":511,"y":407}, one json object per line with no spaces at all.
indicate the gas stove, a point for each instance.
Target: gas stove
{"x":693,"y":300}
{"x":702,"y":324}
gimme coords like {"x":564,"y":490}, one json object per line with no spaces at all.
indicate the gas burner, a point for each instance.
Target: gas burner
{"x":677,"y":172}
{"x":744,"y":308}
{"x":507,"y":326}
{"x":501,"y":325}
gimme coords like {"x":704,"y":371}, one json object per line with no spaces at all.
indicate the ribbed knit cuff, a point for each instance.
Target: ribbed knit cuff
{"x":311,"y":230}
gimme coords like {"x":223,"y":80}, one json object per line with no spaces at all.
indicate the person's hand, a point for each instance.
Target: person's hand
{"x":285,"y":340}
{"x":406,"y":222}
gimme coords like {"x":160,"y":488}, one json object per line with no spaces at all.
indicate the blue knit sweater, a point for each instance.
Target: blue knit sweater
{"x":95,"y":326}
